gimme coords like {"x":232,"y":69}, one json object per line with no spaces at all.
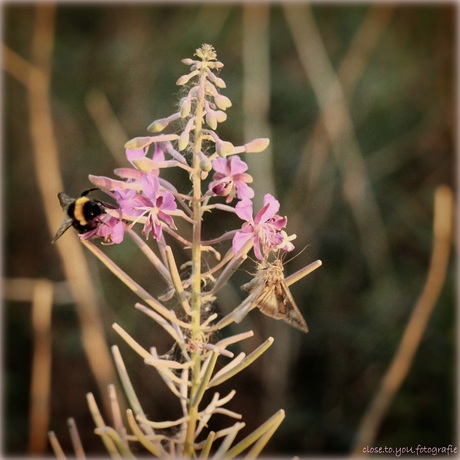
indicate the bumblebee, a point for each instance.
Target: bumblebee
{"x":81,"y":213}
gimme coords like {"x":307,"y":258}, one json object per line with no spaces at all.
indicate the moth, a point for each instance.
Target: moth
{"x":269,"y":292}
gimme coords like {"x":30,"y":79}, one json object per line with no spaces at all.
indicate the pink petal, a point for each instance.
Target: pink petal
{"x":150,"y":185}
{"x":239,"y":240}
{"x":169,"y":202}
{"x":237,"y":166}
{"x":167,"y":219}
{"x":278,"y":222}
{"x":158,"y":153}
{"x":257,"y":252}
{"x":244,"y":191}
{"x":220,"y":165}
{"x":271,"y":207}
{"x":244,"y":210}
{"x":134,"y":154}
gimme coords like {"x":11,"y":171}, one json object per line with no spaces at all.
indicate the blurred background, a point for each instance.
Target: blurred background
{"x":359,"y":102}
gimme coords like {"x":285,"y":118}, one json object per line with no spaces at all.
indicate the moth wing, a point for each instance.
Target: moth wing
{"x":268,"y":301}
{"x":248,"y":304}
{"x":277,"y":302}
{"x":293,"y":315}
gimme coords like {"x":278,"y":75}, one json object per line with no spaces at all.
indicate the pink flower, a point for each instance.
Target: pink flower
{"x":111,"y":229}
{"x":230,"y":179}
{"x":153,"y":204}
{"x":265,"y":228}
{"x":138,"y":157}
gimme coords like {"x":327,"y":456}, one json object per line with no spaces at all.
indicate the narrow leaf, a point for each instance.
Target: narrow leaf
{"x":153,"y":448}
{"x":75,"y":438}
{"x":274,"y":421}
{"x":57,"y":449}
{"x":207,"y":446}
{"x":127,"y":386}
{"x":196,"y":398}
{"x":100,"y":424}
{"x":245,"y":363}
{"x":131,"y":342}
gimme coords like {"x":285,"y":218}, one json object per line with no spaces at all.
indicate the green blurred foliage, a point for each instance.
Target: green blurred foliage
{"x":403,"y":113}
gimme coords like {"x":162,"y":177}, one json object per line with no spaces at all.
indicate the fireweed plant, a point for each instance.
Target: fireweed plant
{"x":148,"y":202}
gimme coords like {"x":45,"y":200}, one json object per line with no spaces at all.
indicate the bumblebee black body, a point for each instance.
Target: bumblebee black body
{"x":81,"y":213}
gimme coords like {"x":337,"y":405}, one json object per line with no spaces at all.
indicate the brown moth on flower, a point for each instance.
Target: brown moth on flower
{"x":270,"y":293}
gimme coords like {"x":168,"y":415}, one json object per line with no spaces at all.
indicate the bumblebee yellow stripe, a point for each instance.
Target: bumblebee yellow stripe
{"x":78,"y":210}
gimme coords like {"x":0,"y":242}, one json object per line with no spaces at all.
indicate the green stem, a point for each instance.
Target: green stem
{"x":189,"y":450}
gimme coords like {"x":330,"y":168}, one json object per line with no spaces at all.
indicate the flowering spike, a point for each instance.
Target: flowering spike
{"x":146,"y":206}
{"x":206,"y":52}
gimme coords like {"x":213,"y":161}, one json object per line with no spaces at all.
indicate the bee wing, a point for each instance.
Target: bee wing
{"x":66,"y":224}
{"x":65,"y":200}
{"x":277,"y":302}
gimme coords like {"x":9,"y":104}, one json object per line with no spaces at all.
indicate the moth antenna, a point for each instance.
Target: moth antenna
{"x":293,"y":257}
{"x":253,"y":260}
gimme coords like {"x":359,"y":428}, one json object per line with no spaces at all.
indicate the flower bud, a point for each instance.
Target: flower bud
{"x":216,"y":80}
{"x":184,"y":139}
{"x":257,"y":145}
{"x":211,"y":119}
{"x":220,"y":116}
{"x":139,"y":142}
{"x":223,"y":102}
{"x":205,"y":164}
{"x":224,"y":148}
{"x":158,"y":125}
{"x":185,"y":108}
{"x":186,"y":78}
